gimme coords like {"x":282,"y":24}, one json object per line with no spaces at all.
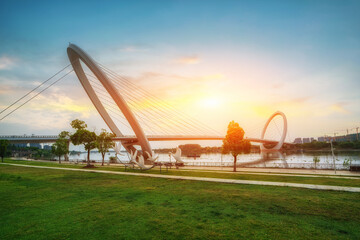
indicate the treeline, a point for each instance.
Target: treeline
{"x":315,"y":145}
{"x":196,"y":149}
{"x":191,"y":149}
{"x":32,"y":152}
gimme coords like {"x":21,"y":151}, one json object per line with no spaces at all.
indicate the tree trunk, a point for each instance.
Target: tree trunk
{"x":2,"y":158}
{"x":88,"y":158}
{"x":103,"y":157}
{"x":60,"y":159}
{"x":235,"y":158}
{"x":67,"y":154}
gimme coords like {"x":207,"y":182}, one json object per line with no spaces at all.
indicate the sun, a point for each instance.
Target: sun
{"x":210,"y":102}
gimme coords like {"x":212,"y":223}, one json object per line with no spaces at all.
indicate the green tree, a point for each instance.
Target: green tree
{"x":3,"y":147}
{"x":234,"y":142}
{"x":60,"y":148}
{"x":83,"y":136}
{"x":104,"y":142}
{"x":78,"y":124}
{"x":65,"y":135}
{"x":316,"y":159}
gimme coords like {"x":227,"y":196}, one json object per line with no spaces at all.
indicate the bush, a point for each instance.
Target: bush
{"x":112,"y":160}
{"x":346,"y":144}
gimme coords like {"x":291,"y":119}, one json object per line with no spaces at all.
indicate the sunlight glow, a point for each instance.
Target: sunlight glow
{"x":210,"y":102}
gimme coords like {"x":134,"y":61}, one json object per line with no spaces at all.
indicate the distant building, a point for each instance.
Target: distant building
{"x":312,"y":139}
{"x":298,"y":140}
{"x":323,"y":139}
{"x":47,"y":147}
{"x":306,"y":140}
{"x":21,"y":145}
{"x":37,"y":145}
{"x":345,"y":138}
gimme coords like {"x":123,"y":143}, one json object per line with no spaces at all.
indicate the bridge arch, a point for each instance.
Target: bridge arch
{"x":75,"y":54}
{"x":278,"y":146}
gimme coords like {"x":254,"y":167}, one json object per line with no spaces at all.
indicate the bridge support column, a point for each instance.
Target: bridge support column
{"x":76,"y":54}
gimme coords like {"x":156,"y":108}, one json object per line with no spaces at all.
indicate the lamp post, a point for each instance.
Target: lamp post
{"x":332,"y":152}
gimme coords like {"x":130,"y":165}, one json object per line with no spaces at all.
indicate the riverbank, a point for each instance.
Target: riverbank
{"x":230,"y":169}
{"x":347,"y":181}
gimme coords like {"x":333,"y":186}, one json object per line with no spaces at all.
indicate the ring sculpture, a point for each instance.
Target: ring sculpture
{"x":282,"y":139}
{"x":76,"y":54}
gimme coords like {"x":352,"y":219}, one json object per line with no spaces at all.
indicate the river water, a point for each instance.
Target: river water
{"x":278,"y":160}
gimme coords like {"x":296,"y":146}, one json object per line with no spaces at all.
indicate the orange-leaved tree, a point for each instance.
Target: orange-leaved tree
{"x":234,"y":142}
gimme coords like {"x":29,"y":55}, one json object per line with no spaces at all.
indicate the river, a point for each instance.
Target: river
{"x":272,"y":160}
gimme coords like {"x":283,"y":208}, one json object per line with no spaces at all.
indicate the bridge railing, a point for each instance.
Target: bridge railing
{"x":28,"y":136}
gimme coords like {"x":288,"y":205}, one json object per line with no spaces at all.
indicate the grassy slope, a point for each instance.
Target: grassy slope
{"x":274,"y":178}
{"x":56,"y":204}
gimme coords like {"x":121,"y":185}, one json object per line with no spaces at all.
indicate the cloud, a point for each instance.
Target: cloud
{"x":188,"y":60}
{"x":50,"y":111}
{"x":339,"y":108}
{"x":7,"y":62}
{"x":4,"y":89}
{"x":278,"y":85}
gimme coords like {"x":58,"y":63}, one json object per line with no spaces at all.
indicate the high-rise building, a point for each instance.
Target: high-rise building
{"x":37,"y":145}
{"x":47,"y":147}
{"x":21,"y":145}
{"x":324,"y":139}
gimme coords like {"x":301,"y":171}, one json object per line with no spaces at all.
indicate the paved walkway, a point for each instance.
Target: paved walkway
{"x":219,"y":180}
{"x":280,"y":170}
{"x":272,"y":174}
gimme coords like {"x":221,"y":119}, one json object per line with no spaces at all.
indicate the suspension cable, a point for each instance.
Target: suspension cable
{"x":34,"y":89}
{"x":36,"y":95}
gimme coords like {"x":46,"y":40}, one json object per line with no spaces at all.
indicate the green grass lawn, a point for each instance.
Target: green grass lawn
{"x":323,"y":180}
{"x":58,"y":204}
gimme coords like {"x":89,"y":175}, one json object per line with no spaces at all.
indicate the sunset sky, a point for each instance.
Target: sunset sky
{"x":215,"y":60}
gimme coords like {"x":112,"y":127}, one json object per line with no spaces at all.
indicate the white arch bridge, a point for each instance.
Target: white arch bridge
{"x":122,"y":103}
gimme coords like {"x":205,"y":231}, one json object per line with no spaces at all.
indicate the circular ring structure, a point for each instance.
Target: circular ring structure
{"x":76,"y":54}
{"x":282,"y":139}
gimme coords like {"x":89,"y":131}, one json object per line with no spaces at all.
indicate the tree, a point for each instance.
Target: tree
{"x":104,"y":142}
{"x":234,"y":141}
{"x":316,"y":159}
{"x":65,"y":135}
{"x":83,"y":136}
{"x":60,"y":147}
{"x":78,"y":124}
{"x":3,"y":147}
{"x":190,"y":149}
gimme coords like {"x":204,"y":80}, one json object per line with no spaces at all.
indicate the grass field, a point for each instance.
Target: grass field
{"x":323,"y":180}
{"x":57,"y":204}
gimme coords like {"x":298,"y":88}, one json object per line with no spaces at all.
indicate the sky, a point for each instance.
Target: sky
{"x":214,"y":60}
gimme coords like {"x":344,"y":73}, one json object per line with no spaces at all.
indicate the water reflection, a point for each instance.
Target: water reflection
{"x":270,"y":159}
{"x":266,"y":156}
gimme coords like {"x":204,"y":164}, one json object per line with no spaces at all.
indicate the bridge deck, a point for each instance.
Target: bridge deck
{"x":53,"y":138}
